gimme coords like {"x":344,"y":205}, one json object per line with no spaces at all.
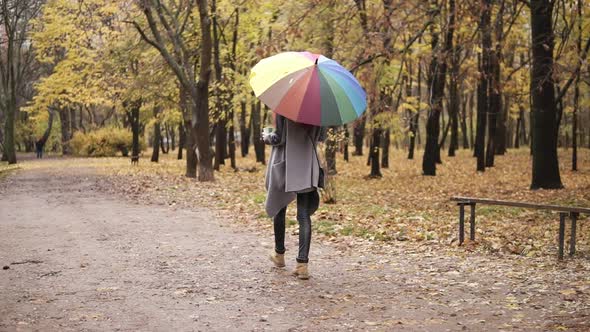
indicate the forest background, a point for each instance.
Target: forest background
{"x":451,"y":85}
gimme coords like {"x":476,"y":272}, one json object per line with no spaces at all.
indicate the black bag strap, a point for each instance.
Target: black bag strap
{"x":314,"y":148}
{"x":316,"y":157}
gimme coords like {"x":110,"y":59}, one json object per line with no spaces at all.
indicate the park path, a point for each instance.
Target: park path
{"x":79,"y":259}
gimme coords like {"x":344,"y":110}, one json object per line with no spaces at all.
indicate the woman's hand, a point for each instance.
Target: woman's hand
{"x":270,"y":138}
{"x":264,"y":136}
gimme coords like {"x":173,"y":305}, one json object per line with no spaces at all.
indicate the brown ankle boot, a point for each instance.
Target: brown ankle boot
{"x":277,"y":259}
{"x":301,"y":271}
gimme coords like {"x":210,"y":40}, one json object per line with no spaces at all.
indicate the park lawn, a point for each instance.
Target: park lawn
{"x":403,"y":205}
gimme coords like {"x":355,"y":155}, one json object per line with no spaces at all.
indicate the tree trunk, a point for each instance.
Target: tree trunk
{"x":481,"y":124}
{"x":3,"y":158}
{"x":565,"y":139}
{"x":501,"y":130}
{"x":232,"y":138}
{"x":327,"y":47}
{"x":374,"y":153}
{"x":526,"y":139}
{"x":244,"y":130}
{"x":330,"y":152}
{"x":220,"y":130}
{"x":258,"y":143}
{"x":156,"y":143}
{"x":40,"y":143}
{"x":168,"y":139}
{"x":359,"y":134}
{"x":220,"y":142}
{"x":509,"y":133}
{"x":418,"y":133}
{"x":494,"y":87}
{"x":494,"y":106}
{"x":454,"y":103}
{"x":441,"y":144}
{"x":157,"y":138}
{"x":484,"y":86}
{"x":519,"y":127}
{"x":503,"y":137}
{"x":464,"y":132}
{"x":9,"y":150}
{"x":414,"y":118}
{"x":413,"y":133}
{"x":66,"y":129}
{"x":165,"y":146}
{"x":200,"y":134}
{"x":346,"y":142}
{"x":134,"y":120}
{"x":191,"y":150}
{"x":432,"y":133}
{"x":385,"y":146}
{"x":73,"y":123}
{"x":577,"y":91}
{"x":471,"y":117}
{"x":81,"y":119}
{"x":15,"y":23}
{"x":545,"y":162}
{"x":181,"y":140}
{"x":232,"y":141}
{"x":437,"y":73}
{"x":444,"y":138}
{"x":172,"y":138}
{"x":220,"y":134}
{"x":194,"y":87}
{"x":200,"y":99}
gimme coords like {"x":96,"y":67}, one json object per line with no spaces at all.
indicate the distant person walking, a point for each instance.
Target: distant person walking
{"x":39,"y":148}
{"x":293,"y":173}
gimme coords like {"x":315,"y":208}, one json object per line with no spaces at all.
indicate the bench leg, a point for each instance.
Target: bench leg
{"x":472,"y":223}
{"x":461,"y":223}
{"x":562,"y":217}
{"x":574,"y":217}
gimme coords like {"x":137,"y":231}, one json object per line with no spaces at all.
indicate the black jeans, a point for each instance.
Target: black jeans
{"x":304,"y":202}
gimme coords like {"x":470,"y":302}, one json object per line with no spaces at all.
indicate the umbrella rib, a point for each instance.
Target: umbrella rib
{"x":353,"y":90}
{"x":343,"y":92}
{"x":273,"y":96}
{"x":329,"y":89}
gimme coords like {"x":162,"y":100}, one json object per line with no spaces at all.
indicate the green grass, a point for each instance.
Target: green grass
{"x":348,"y":230}
{"x":325,"y":227}
{"x":259,"y":198}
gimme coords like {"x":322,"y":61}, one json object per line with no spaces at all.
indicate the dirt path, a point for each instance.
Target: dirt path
{"x":82,"y":260}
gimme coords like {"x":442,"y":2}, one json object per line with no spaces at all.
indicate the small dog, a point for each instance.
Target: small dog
{"x":134,"y":160}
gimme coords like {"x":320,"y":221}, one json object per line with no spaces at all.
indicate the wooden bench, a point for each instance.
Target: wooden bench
{"x":564,"y":212}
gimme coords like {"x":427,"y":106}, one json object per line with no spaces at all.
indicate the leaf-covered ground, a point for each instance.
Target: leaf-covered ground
{"x":401,"y":206}
{"x":132,"y":248}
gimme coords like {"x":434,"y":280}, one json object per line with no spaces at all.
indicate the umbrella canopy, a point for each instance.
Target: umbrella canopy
{"x":308,"y":88}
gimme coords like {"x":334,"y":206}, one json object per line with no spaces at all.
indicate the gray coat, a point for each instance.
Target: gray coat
{"x":293,"y":166}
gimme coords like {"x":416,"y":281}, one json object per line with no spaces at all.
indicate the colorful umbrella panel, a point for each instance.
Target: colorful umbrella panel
{"x":308,"y":88}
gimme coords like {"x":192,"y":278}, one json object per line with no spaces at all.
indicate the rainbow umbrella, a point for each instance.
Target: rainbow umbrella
{"x":308,"y":88}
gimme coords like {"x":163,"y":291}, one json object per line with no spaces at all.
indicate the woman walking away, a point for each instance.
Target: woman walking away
{"x":293,"y":172}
